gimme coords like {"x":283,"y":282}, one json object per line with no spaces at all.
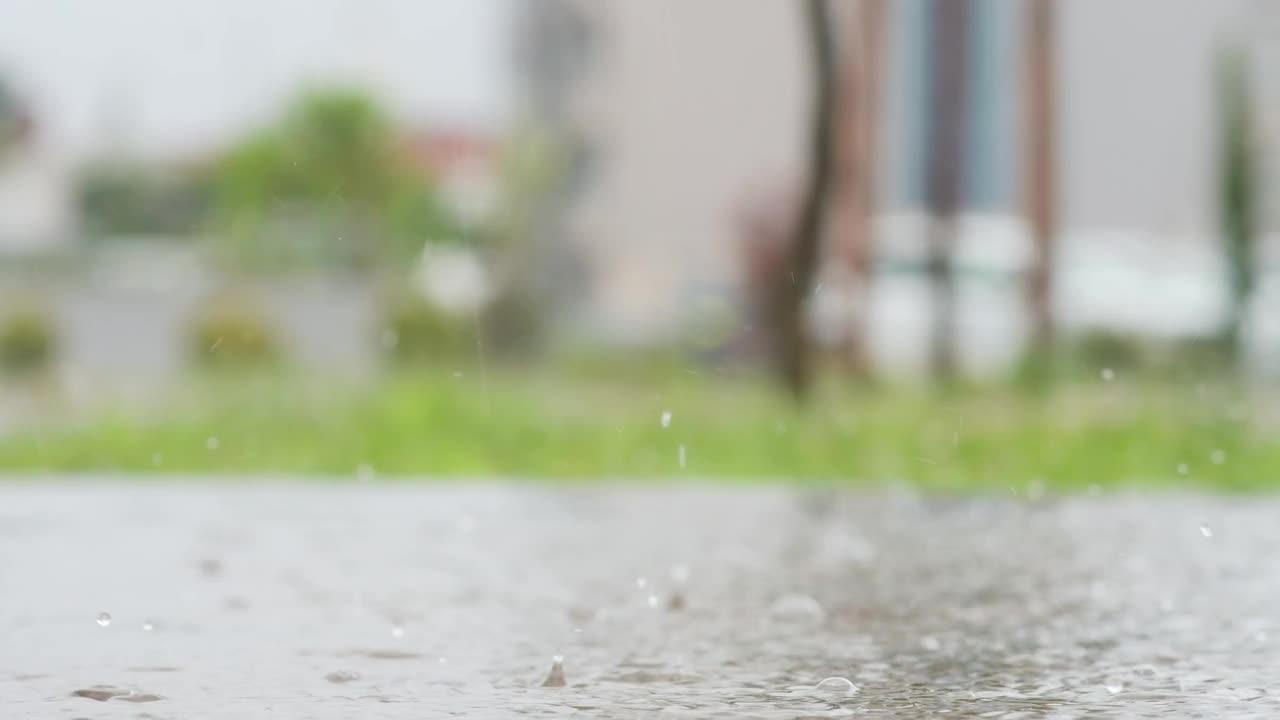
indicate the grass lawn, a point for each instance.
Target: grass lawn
{"x":549,"y":426}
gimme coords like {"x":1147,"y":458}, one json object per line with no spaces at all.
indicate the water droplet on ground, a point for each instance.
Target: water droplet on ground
{"x":666,"y":418}
{"x":797,"y":608}
{"x":837,"y":685}
{"x":104,"y":619}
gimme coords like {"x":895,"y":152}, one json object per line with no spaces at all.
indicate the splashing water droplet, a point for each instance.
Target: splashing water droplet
{"x":666,"y":418}
{"x":104,"y":619}
{"x":1183,"y":468}
{"x":1108,"y":374}
{"x":1115,"y":686}
{"x":683,"y":457}
{"x":397,"y":632}
{"x":837,"y":685}
{"x":212,"y":442}
{"x":148,"y":626}
{"x":798,"y":608}
{"x":1206,"y":531}
{"x":555,"y":678}
{"x":680,"y":573}
{"x":1218,"y":456}
{"x":930,"y":643}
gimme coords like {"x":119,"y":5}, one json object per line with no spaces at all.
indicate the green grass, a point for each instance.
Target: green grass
{"x":551,"y":426}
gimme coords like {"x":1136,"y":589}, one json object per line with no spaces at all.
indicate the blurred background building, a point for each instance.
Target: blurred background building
{"x":595,"y":159}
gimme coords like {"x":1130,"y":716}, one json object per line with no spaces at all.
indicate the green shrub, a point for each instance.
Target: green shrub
{"x":1094,"y":350}
{"x":417,"y":333}
{"x":27,"y":342}
{"x":233,"y":332}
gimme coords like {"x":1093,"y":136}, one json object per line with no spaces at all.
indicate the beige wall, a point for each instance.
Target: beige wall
{"x":690,"y":103}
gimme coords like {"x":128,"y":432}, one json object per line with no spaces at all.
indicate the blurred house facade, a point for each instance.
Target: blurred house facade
{"x":683,"y":120}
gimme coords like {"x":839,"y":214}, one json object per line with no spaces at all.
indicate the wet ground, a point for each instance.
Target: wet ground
{"x":372,"y":601}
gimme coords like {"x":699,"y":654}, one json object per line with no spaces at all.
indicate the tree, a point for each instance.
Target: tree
{"x":791,"y":338}
{"x":1238,"y":189}
{"x":328,"y":178}
{"x":944,"y":141}
{"x":1039,"y":135}
{"x":858,"y":139}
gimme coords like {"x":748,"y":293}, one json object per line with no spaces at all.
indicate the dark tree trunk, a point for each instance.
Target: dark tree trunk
{"x":945,"y":152}
{"x":1040,"y":136}
{"x":791,"y":336}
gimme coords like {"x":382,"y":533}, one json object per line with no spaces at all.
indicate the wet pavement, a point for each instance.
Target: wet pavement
{"x":193,"y":600}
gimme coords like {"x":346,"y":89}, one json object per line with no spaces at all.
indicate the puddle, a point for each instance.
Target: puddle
{"x":445,"y":601}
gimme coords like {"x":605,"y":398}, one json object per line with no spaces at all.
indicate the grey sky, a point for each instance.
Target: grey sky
{"x":177,"y":75}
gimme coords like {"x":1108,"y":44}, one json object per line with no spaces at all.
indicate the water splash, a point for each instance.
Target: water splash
{"x":212,"y":442}
{"x":797,"y":608}
{"x":666,"y":419}
{"x":1206,"y":531}
{"x":555,"y":678}
{"x":104,"y":619}
{"x":836,"y":686}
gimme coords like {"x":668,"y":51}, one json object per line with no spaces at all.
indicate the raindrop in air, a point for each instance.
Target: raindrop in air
{"x":1206,"y":531}
{"x":104,"y":619}
{"x":148,"y":626}
{"x":653,"y":601}
{"x":837,"y":685}
{"x":1183,"y":468}
{"x":641,"y":583}
{"x":680,"y":573}
{"x":666,"y":418}
{"x":1108,"y":374}
{"x":212,"y":442}
{"x":397,"y":632}
{"x":365,"y":473}
{"x":1218,"y":456}
{"x":683,"y":456}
